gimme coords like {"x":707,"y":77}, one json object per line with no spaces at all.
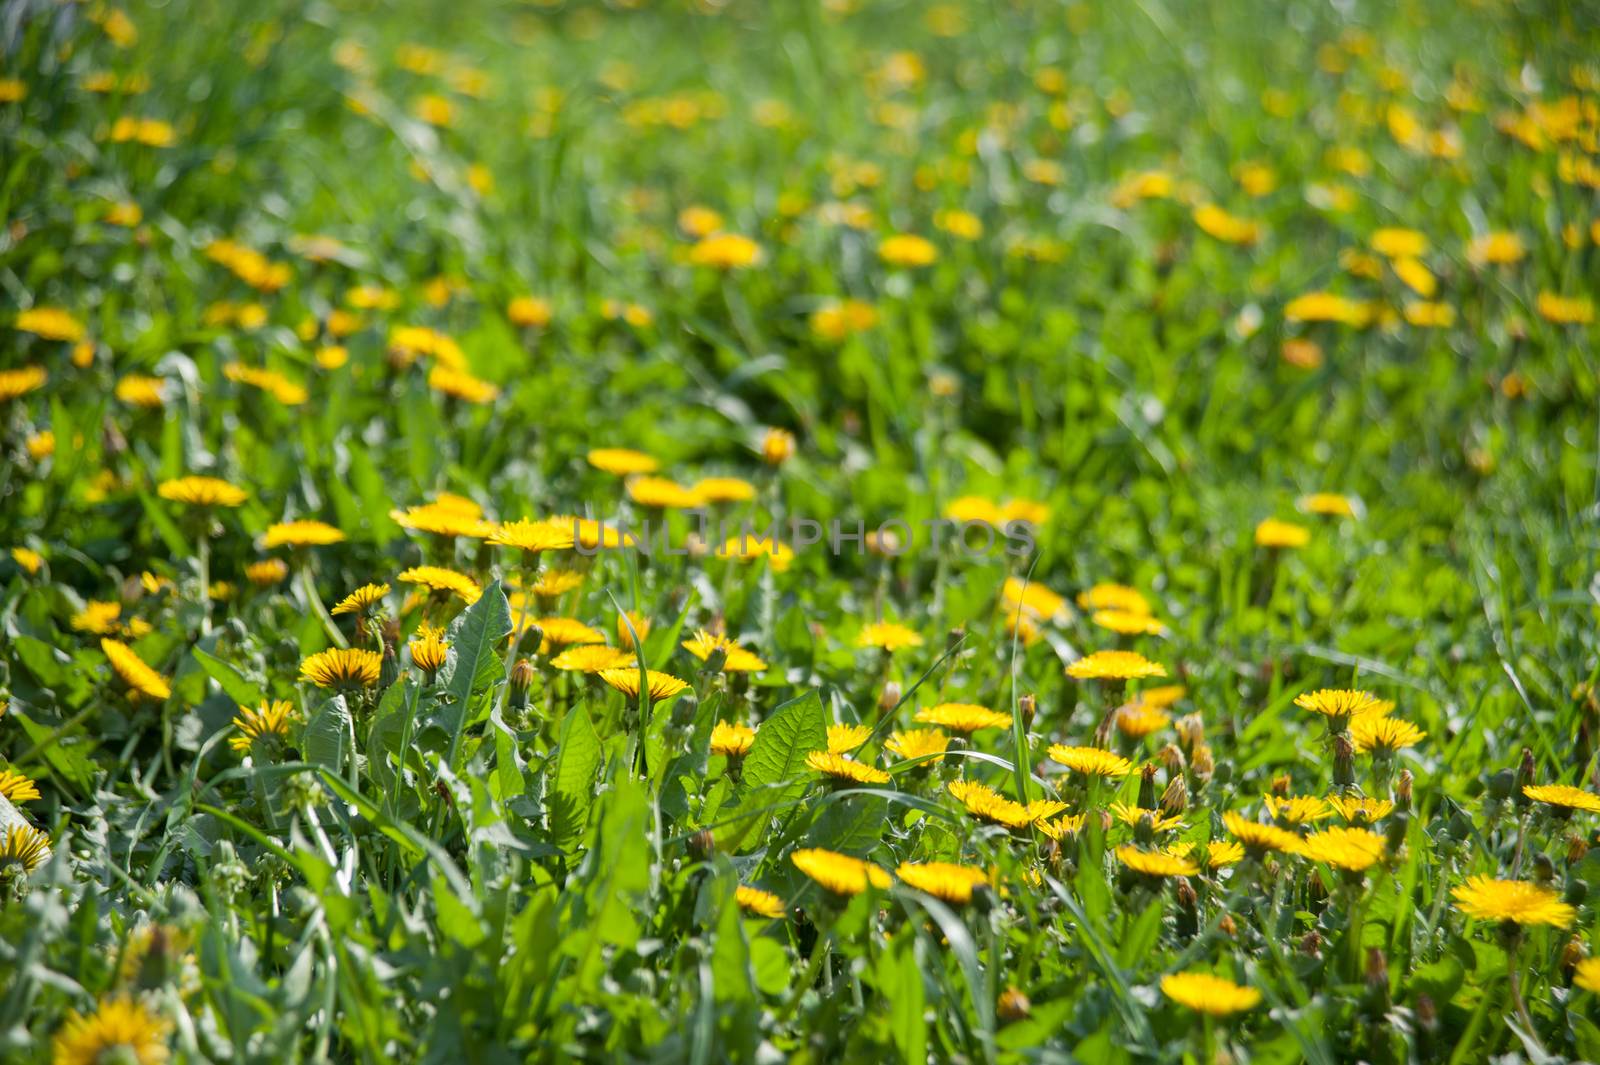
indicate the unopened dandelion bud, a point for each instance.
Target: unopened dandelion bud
{"x":703,"y":844}
{"x":1544,"y":870}
{"x":1028,"y":707}
{"x":1175,"y":798}
{"x":1501,"y":783}
{"x":521,"y":681}
{"x":1577,"y":847}
{"x":1172,"y":759}
{"x":389,"y":670}
{"x":1577,"y":891}
{"x":1147,"y":788}
{"x":1191,"y":731}
{"x":1144,"y":830}
{"x":715,"y":660}
{"x":1311,"y":944}
{"x":1526,"y":770}
{"x":1280,"y":785}
{"x":1227,"y":926}
{"x":889,"y":698}
{"x":1188,"y":918}
{"x":1377,"y":979}
{"x":1427,"y":1013}
{"x":684,"y":709}
{"x":1203,"y":764}
{"x":1344,"y":761}
{"x":1394,"y":835}
{"x":1014,"y":1005}
{"x":1402,"y":791}
{"x":954,"y":638}
{"x":1571,"y":955}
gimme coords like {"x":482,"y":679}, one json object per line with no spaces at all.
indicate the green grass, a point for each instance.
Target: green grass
{"x":456,"y":868}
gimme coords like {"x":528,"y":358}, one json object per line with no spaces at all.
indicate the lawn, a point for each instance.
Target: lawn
{"x":838,"y":530}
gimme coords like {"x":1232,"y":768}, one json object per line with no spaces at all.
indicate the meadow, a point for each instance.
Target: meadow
{"x":839,"y":530}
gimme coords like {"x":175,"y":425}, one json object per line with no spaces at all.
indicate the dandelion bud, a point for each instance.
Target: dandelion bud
{"x":703,"y":844}
{"x":1171,"y":758}
{"x":1577,"y":847}
{"x":1147,"y":788}
{"x":684,"y":709}
{"x":1185,"y":893}
{"x":1501,"y":783}
{"x":521,"y":681}
{"x":1014,"y":1005}
{"x":1191,"y":731}
{"x":1203,"y":764}
{"x":1344,"y":761}
{"x":1227,"y":926}
{"x":889,"y":698}
{"x":1577,"y":891}
{"x":1188,"y":918}
{"x":1280,"y":785}
{"x":1377,"y":972}
{"x":1571,"y":955}
{"x":1028,"y":707}
{"x":1395,"y":831}
{"x":1544,"y":870}
{"x":715,"y":660}
{"x":1525,"y":774}
{"x":389,"y":668}
{"x":1175,"y":799}
{"x":1426,"y":1012}
{"x":1402,"y":791}
{"x":777,"y":447}
{"x":1311,"y":944}
{"x":1144,"y":829}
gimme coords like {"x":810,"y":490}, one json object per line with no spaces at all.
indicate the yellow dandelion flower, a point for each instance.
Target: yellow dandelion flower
{"x":442,"y":519}
{"x":50,"y":323}
{"x":1394,"y":243}
{"x":758,"y":902}
{"x":1091,"y":761}
{"x":564,"y":632}
{"x":1326,"y":307}
{"x":120,"y":1030}
{"x":196,"y":491}
{"x":16,"y":787}
{"x":975,"y":509}
{"x":1563,"y":796}
{"x":534,"y":536}
{"x":735,"y":658}
{"x":1352,"y":849}
{"x":839,"y":873}
{"x":1375,"y":732}
{"x":943,"y":880}
{"x":362,"y":599}
{"x":1298,"y":809}
{"x":1132,"y":815}
{"x":300,"y":534}
{"x":1155,"y":863}
{"x":1259,"y":838}
{"x":1138,"y":720}
{"x":1517,"y":901}
{"x":28,"y":559}
{"x":440,"y":579}
{"x":1128,"y":623}
{"x":1336,"y":703}
{"x":1033,"y":598}
{"x":592,"y":658}
{"x":626,"y":681}
{"x":342,"y":668}
{"x":139,"y":390}
{"x":838,"y":319}
{"x":1228,"y":228}
{"x":907,"y":249}
{"x":1066,"y":825}
{"x":846,"y":769}
{"x":732,"y":740}
{"x":1115,"y":665}
{"x":1205,"y":993}
{"x":271,"y":382}
{"x":1587,"y":975}
{"x":1360,"y":810}
{"x":725,"y":251}
{"x":1565,"y":310}
{"x":267,"y":572}
{"x":17,"y":383}
{"x":554,"y":583}
{"x":963,"y":717}
{"x":622,"y":461}
{"x":428,"y":650}
{"x":888,"y":636}
{"x":842,"y":739}
{"x":662,"y":493}
{"x":723,"y":490}
{"x":24,"y":845}
{"x":529,"y":312}
{"x":135,"y":673}
{"x":919,"y":743}
{"x":747,"y":548}
{"x":459,"y":384}
{"x":97,"y":617}
{"x":1281,"y":534}
{"x":1328,"y":504}
{"x":641,"y":625}
{"x":268,"y":723}
{"x":1499,"y":248}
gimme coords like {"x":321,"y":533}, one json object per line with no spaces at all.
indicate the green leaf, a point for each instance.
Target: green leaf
{"x":229,"y":679}
{"x":775,"y":769}
{"x":900,"y":986}
{"x":571,"y":786}
{"x":474,"y":636}
{"x":327,"y":733}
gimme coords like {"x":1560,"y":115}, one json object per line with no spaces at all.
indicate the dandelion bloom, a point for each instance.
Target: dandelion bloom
{"x":1115,"y":665}
{"x":1110,"y":596}
{"x":1326,"y":307}
{"x":1065,"y":825}
{"x":1336,"y":703}
{"x":839,"y":873}
{"x":300,"y":534}
{"x":269,"y":722}
{"x":984,"y":802}
{"x":1395,"y":243}
{"x":1027,"y":511}
{"x":271,"y":382}
{"x":444,"y":519}
{"x":1361,"y":810}
{"x":1138,"y":720}
{"x":428,"y":649}
{"x":888,"y":636}
{"x":529,"y":312}
{"x":97,"y":617}
{"x":732,"y":740}
{"x":1128,"y":623}
{"x":840,"y":767}
{"x":725,"y":251}
{"x":919,"y":743}
{"x":362,"y":599}
{"x":562,"y":632}
{"x":1259,"y":838}
{"x":975,"y":509}
{"x":267,"y":572}
{"x":1155,"y":863}
{"x":1281,"y":534}
{"x":943,"y":880}
{"x":16,"y":787}
{"x":534,"y":536}
{"x":199,"y":491}
{"x":592,"y":658}
{"x":342,"y":667}
{"x":1518,"y":901}
{"x":1498,"y":248}
{"x":1206,"y":993}
{"x":1329,"y":504}
{"x":27,"y":558}
{"x":622,"y":461}
{"x":1565,"y":310}
{"x":1587,"y":975}
{"x":640,"y":623}
{"x":554,"y":583}
{"x":1298,"y":809}
{"x":1563,"y":796}
{"x":1351,"y":849}
{"x":440,"y":579}
{"x":1384,"y":735}
{"x":17,"y":383}
{"x":699,"y":221}
{"x":723,"y":490}
{"x":735,"y":658}
{"x":1091,"y":761}
{"x":662,"y":493}
{"x":1228,"y":228}
{"x":1132,"y":815}
{"x":963,"y":717}
{"x":747,"y":548}
{"x":907,"y":249}
{"x":839,"y":319}
{"x":761,"y":903}
{"x":1031,"y":597}
{"x":133,"y":670}
{"x":842,"y":739}
{"x":50,"y":323}
{"x":24,"y":845}
{"x":139,"y":390}
{"x":120,"y":1029}
{"x":626,"y":681}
